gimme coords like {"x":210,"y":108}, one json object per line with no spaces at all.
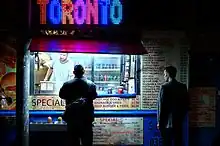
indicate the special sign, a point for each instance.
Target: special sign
{"x":46,"y":103}
{"x":56,"y":103}
{"x":99,"y":12}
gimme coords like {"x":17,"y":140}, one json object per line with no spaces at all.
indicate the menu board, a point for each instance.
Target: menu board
{"x":203,"y":106}
{"x":152,"y":77}
{"x":7,"y":77}
{"x":118,"y":131}
{"x":115,"y":103}
{"x":160,"y":54}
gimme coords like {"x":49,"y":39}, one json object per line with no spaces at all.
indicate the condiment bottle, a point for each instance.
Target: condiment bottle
{"x":49,"y":120}
{"x":59,"y":119}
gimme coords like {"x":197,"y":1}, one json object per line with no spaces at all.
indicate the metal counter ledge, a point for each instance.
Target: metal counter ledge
{"x":39,"y":126}
{"x":36,"y":113}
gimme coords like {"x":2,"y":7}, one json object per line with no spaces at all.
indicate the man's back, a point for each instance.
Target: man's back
{"x":172,"y":108}
{"x":80,"y":113}
{"x":79,"y":88}
{"x":175,"y":103}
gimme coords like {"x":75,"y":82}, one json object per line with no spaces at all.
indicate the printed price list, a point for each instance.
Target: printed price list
{"x":152,"y":77}
{"x":118,"y":131}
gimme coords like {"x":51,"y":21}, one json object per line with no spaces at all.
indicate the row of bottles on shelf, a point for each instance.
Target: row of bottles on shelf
{"x":111,"y":89}
{"x":105,"y":77}
{"x":106,"y":66}
{"x":99,"y":66}
{"x":85,"y":65}
{"x":89,"y":77}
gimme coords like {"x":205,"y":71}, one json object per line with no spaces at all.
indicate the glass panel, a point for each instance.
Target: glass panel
{"x":85,"y":60}
{"x":107,"y":73}
{"x":114,"y":76}
{"x":49,"y":81}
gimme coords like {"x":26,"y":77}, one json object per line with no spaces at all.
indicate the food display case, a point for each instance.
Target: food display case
{"x":110,"y":51}
{"x":127,"y":83}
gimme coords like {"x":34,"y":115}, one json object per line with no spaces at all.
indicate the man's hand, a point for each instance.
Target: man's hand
{"x":158,"y":126}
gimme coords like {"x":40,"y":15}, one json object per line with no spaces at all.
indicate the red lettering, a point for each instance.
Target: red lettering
{"x":67,"y":9}
{"x":43,"y":10}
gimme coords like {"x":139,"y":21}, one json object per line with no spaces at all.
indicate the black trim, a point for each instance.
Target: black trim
{"x":122,"y":68}
{"x":92,"y":69}
{"x":32,"y":60}
{"x":138,"y":75}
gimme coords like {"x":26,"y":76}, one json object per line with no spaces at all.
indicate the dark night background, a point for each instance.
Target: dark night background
{"x":199,"y":19}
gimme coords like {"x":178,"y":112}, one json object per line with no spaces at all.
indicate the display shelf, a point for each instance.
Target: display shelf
{"x":99,"y":95}
{"x":107,"y":69}
{"x":98,"y":113}
{"x":107,"y":82}
{"x":117,"y":95}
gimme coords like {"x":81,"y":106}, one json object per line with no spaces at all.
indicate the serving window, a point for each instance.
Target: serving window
{"x":114,"y":75}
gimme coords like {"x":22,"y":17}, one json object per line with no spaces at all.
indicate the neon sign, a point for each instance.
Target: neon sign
{"x":80,"y":11}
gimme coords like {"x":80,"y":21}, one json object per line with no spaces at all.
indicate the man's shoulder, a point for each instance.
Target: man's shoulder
{"x":75,"y":80}
{"x":91,"y":83}
{"x":182,"y":85}
{"x":66,"y":83}
{"x":172,"y":84}
{"x":72,"y":81}
{"x":165,"y":85}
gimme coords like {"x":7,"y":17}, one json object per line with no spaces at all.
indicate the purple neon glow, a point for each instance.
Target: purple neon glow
{"x":85,"y":46}
{"x":81,"y":4}
{"x":92,"y":12}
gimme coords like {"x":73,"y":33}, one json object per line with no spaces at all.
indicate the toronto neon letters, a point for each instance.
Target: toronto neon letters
{"x":80,"y":11}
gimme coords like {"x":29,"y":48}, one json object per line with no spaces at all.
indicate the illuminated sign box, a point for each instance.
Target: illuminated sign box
{"x":79,"y":12}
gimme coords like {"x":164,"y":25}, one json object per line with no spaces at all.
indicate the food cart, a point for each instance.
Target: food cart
{"x":95,"y":34}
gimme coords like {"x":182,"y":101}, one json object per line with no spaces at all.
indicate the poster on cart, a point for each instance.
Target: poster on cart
{"x":115,"y":103}
{"x":7,"y":77}
{"x":203,"y":106}
{"x":118,"y":131}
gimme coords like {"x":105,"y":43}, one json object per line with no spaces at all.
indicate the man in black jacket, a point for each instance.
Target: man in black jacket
{"x":79,"y":126}
{"x":172,"y":108}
